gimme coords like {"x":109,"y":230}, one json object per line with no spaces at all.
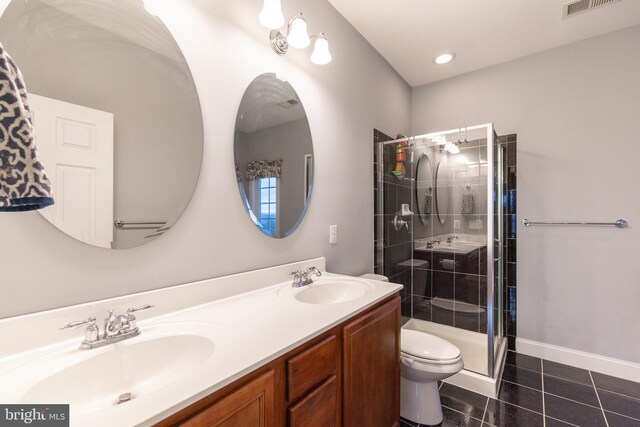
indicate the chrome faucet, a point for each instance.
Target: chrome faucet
{"x":301,"y":277}
{"x":430,"y":243}
{"x":450,"y":238}
{"x":116,"y":328}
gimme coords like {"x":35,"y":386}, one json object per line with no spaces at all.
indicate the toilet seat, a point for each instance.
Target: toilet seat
{"x":424,"y":364}
{"x":426,"y":348}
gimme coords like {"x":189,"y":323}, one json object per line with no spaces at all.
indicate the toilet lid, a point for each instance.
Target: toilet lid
{"x":426,"y":346}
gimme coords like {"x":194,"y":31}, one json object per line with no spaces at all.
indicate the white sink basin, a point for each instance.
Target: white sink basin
{"x":331,"y":290}
{"x":92,"y":380}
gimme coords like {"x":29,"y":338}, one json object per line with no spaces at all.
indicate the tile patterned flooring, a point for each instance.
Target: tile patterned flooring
{"x":539,"y":393}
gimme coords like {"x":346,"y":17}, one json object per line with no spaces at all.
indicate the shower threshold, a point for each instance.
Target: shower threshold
{"x":473,"y":346}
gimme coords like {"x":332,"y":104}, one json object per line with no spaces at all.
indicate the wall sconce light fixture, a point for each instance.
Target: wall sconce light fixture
{"x":297,"y":35}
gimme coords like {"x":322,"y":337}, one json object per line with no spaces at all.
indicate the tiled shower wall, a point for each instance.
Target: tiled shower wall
{"x":394,"y":249}
{"x":510,"y":226}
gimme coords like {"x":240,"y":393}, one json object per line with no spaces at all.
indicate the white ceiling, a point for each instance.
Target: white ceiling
{"x":410,"y":33}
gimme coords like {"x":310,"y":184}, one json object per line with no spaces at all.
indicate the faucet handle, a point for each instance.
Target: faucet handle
{"x":312,"y":269}
{"x":90,"y":320}
{"x":297,"y":277}
{"x":131,"y":319}
{"x":142,"y":307}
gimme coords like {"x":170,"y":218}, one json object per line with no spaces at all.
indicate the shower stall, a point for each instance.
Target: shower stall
{"x":439,"y":231}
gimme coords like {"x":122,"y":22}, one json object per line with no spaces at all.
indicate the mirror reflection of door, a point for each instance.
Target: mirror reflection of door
{"x":76,"y":144}
{"x":308,"y":175}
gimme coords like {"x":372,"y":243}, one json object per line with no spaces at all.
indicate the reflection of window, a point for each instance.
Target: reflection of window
{"x":268,"y":204}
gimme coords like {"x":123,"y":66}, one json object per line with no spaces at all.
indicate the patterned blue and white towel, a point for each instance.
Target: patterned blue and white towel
{"x":24,"y":184}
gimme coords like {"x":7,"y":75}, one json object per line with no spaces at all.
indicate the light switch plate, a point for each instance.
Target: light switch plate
{"x":333,"y":234}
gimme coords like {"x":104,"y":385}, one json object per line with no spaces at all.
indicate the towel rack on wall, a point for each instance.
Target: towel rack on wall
{"x":621,"y":223}
{"x":132,"y":225}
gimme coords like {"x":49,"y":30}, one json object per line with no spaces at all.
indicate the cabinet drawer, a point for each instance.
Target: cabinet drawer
{"x":311,"y":367}
{"x":318,"y":408}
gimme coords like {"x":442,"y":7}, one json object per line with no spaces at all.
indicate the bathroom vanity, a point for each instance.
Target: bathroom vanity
{"x":348,"y":376}
{"x":247,"y":349}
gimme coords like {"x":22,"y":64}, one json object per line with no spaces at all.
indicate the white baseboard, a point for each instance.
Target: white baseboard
{"x":592,"y":362}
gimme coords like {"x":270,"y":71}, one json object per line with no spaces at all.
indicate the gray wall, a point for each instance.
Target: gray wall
{"x":575,"y":110}
{"x":226,"y":49}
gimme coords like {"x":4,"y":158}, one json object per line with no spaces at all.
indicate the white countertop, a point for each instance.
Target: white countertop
{"x":251,"y":329}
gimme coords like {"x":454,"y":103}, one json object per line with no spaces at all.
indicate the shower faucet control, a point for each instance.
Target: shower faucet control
{"x":398,"y":223}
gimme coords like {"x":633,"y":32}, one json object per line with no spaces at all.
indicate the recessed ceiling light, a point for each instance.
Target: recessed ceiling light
{"x":444,"y":58}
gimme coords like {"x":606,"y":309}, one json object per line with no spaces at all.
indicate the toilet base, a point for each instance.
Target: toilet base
{"x":420,"y":402}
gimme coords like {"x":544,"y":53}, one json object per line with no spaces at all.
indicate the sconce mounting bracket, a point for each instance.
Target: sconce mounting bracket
{"x":278,"y":42}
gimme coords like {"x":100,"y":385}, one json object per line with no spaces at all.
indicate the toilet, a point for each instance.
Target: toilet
{"x":425,"y":360}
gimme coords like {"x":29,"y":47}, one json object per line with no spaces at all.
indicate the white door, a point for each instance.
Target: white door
{"x":75,"y":144}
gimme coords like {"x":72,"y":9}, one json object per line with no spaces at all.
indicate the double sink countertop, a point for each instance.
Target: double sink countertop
{"x":199,"y":338}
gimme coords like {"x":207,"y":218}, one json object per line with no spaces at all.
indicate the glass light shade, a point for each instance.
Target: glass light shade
{"x":298,"y":35}
{"x":271,"y":14}
{"x":321,"y":54}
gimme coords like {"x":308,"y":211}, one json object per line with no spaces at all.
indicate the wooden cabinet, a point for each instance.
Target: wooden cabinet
{"x":251,"y":404}
{"x":371,"y":370}
{"x":349,"y":375}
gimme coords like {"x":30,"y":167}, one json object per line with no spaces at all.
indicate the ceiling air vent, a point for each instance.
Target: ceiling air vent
{"x":579,"y":6}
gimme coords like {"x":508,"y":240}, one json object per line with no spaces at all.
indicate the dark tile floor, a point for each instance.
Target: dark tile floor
{"x":540,"y":393}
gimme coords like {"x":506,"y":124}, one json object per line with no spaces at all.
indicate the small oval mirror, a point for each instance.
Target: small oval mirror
{"x":443,"y":191}
{"x":424,"y":188}
{"x":274,"y":155}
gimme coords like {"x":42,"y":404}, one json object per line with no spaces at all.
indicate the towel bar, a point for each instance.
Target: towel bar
{"x":621,"y":223}
{"x":132,"y":225}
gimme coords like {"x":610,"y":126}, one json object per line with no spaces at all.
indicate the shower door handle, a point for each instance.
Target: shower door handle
{"x":497,"y":250}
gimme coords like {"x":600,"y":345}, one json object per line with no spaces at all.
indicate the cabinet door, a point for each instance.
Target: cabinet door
{"x":372,"y":367}
{"x":251,"y":405}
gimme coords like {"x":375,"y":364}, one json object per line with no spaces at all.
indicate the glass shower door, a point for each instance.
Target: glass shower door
{"x":495,"y":234}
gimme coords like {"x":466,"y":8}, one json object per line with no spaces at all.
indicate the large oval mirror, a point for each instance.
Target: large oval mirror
{"x":443,"y":190}
{"x":273,"y":155}
{"x":424,"y":188}
{"x":116,"y":114}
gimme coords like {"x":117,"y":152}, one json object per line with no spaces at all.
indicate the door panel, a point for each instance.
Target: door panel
{"x":75,"y":144}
